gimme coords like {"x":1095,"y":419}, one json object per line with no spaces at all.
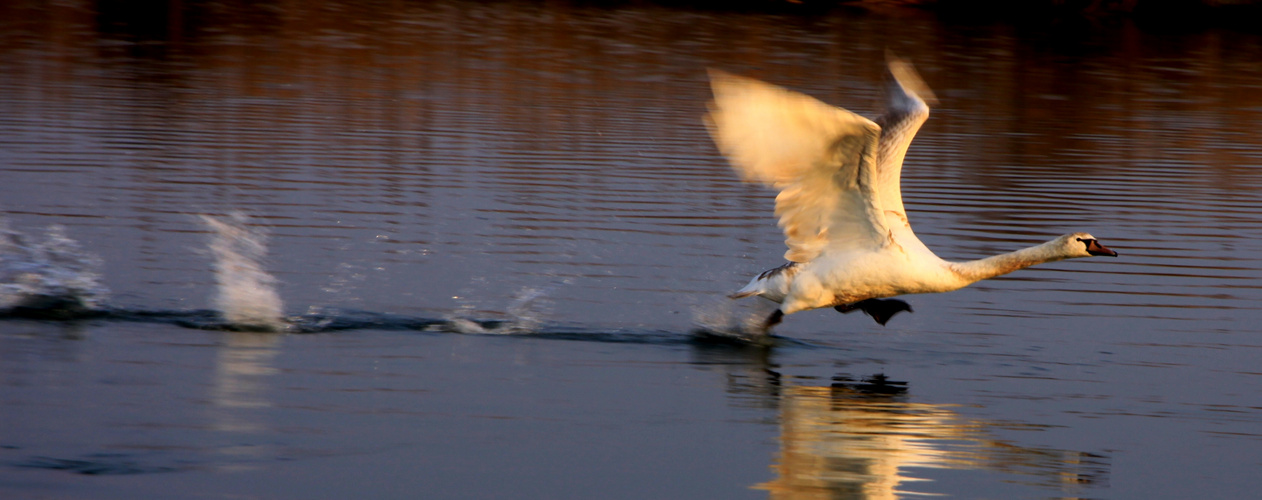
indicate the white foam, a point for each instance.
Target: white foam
{"x":53,"y":273}
{"x":524,"y":315}
{"x":246,"y":295}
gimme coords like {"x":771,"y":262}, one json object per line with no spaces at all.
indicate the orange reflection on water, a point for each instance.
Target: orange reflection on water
{"x":839,"y":442}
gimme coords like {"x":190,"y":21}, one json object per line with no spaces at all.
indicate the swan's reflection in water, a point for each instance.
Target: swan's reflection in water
{"x":862,"y":440}
{"x":863,"y":437}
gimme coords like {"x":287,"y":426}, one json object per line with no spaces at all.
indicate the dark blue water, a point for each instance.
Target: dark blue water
{"x":492,"y":230}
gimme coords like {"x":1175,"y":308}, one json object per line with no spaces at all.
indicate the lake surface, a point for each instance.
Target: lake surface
{"x":494,"y":228}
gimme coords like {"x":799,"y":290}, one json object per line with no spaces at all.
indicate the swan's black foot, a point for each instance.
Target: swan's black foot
{"x":880,"y":310}
{"x":772,"y":320}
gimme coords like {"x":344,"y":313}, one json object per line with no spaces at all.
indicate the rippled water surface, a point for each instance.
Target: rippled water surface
{"x":492,"y":228}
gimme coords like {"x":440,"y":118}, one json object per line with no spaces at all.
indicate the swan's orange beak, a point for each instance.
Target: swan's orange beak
{"x":1095,"y":248}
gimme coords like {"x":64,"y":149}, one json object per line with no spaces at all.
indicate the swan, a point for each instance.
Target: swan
{"x":839,"y":203}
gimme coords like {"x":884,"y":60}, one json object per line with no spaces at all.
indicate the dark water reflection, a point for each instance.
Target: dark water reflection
{"x":424,"y":161}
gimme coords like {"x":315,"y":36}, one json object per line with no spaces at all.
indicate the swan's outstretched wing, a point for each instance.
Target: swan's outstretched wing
{"x":821,"y":158}
{"x":906,"y":110}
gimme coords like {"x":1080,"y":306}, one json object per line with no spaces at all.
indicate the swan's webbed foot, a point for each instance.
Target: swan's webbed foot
{"x":880,"y":310}
{"x":773,"y":320}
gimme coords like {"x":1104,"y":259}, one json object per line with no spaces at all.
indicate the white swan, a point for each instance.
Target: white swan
{"x":840,"y":204}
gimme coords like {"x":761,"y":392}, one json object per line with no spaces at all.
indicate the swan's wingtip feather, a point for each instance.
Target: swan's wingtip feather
{"x":904,"y":73}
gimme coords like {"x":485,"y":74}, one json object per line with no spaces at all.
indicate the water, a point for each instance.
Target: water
{"x":491,"y":229}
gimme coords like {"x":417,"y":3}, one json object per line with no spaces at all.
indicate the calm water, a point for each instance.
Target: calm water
{"x":502,"y":222}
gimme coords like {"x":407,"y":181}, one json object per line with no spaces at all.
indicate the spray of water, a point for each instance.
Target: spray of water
{"x":246,"y":296}
{"x":50,"y":276}
{"x":732,"y":320}
{"x":524,"y":315}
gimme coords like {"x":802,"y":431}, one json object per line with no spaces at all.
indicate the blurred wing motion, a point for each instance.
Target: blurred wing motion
{"x":906,"y":110}
{"x":821,"y":158}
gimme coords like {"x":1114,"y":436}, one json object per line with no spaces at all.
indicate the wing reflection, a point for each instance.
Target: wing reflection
{"x":861,"y":440}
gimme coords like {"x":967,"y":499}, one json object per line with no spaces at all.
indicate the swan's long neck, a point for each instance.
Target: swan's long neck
{"x":977,"y":270}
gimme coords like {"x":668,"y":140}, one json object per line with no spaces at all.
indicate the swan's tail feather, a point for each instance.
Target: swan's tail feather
{"x":742,"y":293}
{"x":772,"y":283}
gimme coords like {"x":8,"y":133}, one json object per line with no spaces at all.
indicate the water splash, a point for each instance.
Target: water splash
{"x":53,"y":277}
{"x":524,"y":315}
{"x":246,"y":296}
{"x":726,"y":319}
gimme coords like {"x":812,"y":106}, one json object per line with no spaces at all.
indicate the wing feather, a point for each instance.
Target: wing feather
{"x":906,"y":110}
{"x":821,"y":158}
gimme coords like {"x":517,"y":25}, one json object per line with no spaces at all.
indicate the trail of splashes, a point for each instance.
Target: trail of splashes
{"x":246,"y":296}
{"x":525,"y":315}
{"x":52,"y":277}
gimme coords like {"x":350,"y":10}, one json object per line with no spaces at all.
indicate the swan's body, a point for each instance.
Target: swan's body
{"x":839,"y":202}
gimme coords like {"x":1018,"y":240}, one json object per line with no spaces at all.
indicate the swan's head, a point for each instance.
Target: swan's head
{"x":1076,"y":245}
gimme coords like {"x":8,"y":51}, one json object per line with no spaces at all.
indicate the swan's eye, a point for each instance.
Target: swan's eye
{"x":1087,"y":242}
